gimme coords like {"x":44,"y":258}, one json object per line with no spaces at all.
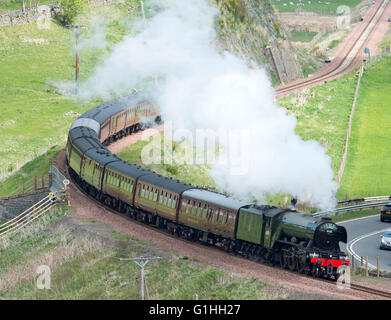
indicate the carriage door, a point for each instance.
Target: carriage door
{"x":266,"y":232}
{"x":113,"y":125}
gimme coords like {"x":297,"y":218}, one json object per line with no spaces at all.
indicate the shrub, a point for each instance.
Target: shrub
{"x":69,"y":10}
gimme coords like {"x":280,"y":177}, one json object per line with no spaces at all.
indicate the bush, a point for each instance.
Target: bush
{"x":69,"y":10}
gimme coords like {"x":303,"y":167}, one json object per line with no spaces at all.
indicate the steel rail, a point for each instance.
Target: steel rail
{"x":377,"y":292}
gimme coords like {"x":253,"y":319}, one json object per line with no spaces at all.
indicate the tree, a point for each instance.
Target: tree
{"x":69,"y":10}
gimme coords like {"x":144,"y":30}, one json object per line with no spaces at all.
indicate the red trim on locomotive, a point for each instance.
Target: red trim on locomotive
{"x":325,"y":262}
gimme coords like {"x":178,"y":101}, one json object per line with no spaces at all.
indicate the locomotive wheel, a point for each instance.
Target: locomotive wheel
{"x":292,"y":260}
{"x":301,"y":267}
{"x":283,"y":259}
{"x":315,"y":271}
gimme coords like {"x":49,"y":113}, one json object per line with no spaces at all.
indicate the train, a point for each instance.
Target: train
{"x":282,"y":237}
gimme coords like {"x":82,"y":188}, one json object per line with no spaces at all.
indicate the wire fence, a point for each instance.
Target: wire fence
{"x":361,"y":265}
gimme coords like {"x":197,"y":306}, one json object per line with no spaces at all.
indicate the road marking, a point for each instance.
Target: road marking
{"x":351,"y":220}
{"x":354,"y":241}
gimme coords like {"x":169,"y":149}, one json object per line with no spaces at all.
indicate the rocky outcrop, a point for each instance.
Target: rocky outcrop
{"x":251,"y":29}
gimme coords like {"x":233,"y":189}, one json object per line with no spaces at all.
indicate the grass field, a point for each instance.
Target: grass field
{"x":313,"y":5}
{"x":368,"y":167}
{"x":36,"y":167}
{"x":192,"y":174}
{"x":302,"y":36}
{"x":83,"y":259}
{"x":11,"y":5}
{"x":34,"y":116}
{"x":323,"y":114}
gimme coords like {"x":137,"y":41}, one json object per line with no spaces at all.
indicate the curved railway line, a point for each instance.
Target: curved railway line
{"x":338,"y":69}
{"x":353,"y":286}
{"x":346,"y":62}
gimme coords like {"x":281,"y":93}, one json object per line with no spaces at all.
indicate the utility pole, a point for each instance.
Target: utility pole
{"x":77,"y":27}
{"x":141,"y":262}
{"x":142,"y":8}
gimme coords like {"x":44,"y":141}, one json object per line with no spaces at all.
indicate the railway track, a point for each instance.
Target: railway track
{"x":377,"y":292}
{"x":342,"y":65}
{"x":353,"y":286}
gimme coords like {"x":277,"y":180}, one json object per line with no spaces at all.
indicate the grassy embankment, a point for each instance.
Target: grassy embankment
{"x":83,"y":260}
{"x":330,"y":5}
{"x":179,"y":169}
{"x":368,"y":166}
{"x":302,"y":36}
{"x":11,"y":5}
{"x":34,"y":117}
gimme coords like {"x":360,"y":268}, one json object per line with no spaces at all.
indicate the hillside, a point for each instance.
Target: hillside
{"x":252,"y":30}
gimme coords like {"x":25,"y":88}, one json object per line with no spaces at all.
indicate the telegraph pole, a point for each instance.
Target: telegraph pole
{"x":141,"y":262}
{"x":77,"y":27}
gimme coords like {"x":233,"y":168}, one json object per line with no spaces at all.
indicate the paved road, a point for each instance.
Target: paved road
{"x":364,"y":240}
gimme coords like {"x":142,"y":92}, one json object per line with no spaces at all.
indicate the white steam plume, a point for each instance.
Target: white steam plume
{"x":202,"y":88}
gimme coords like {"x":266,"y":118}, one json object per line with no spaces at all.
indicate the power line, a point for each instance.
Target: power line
{"x":141,"y":262}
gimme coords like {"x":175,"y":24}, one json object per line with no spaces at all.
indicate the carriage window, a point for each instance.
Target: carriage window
{"x":225,"y":217}
{"x":161,"y":197}
{"x":199,"y":209}
{"x":218,"y":214}
{"x":174,"y":202}
{"x":143,"y":191}
{"x":193,"y":208}
{"x":165,"y":199}
{"x":155,"y":195}
{"x":209,"y":213}
{"x":188,"y":207}
{"x":151,"y":195}
{"x":169,"y":201}
{"x":215,"y":214}
{"x":204,"y":212}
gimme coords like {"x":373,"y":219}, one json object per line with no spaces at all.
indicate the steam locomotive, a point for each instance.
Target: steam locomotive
{"x":289,"y":239}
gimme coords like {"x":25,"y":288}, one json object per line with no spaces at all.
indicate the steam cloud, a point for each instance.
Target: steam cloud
{"x":199,"y":87}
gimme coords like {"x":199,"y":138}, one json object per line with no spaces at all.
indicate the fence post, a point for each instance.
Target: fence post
{"x":366,"y":267}
{"x":35,"y":184}
{"x":50,"y":179}
{"x":378,"y":267}
{"x":43,"y":181}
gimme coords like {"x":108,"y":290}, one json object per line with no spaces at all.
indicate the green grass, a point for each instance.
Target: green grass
{"x":302,"y":36}
{"x":38,"y":166}
{"x":323,"y":114}
{"x":188,"y":173}
{"x":84,"y":264}
{"x":285,"y":6}
{"x":11,"y":5}
{"x":334,"y":43}
{"x":33,"y":115}
{"x":368,"y":166}
{"x":354,"y":214}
